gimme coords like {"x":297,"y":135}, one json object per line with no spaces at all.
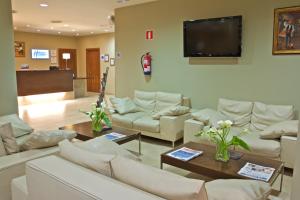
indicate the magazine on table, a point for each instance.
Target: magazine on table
{"x":184,"y":154}
{"x":114,"y":136}
{"x":257,"y":172}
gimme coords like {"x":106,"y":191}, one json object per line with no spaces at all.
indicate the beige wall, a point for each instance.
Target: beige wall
{"x":41,"y":41}
{"x":257,"y":75}
{"x":106,"y":43}
{"x":8,"y":89}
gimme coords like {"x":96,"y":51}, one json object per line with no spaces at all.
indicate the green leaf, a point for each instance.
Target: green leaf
{"x":239,"y":142}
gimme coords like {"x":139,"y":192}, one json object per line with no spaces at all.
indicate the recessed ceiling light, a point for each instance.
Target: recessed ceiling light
{"x":92,"y":32}
{"x":59,"y":32}
{"x":106,"y":30}
{"x":27,"y":25}
{"x":38,"y":30}
{"x":51,"y":27}
{"x":44,"y":5}
{"x":73,"y":30}
{"x":77,"y":34}
{"x":66,"y":25}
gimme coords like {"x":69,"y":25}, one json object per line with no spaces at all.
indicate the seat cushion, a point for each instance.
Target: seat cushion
{"x":239,"y":111}
{"x":265,"y":115}
{"x":268,"y":148}
{"x":19,"y":126}
{"x":275,"y":131}
{"x":165,"y":100}
{"x":94,"y":161}
{"x":126,"y":120}
{"x":156,"y":181}
{"x":145,"y":100}
{"x":147,"y":123}
{"x":233,"y":189}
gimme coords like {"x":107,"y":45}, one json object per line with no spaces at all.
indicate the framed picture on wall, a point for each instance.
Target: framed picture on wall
{"x":19,"y":49}
{"x":112,"y":62}
{"x":286,"y":37}
{"x":106,"y":58}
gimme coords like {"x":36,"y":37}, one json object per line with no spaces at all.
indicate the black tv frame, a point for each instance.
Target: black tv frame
{"x":239,"y":54}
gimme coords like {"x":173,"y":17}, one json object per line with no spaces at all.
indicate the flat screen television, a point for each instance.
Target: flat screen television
{"x":40,"y":54}
{"x":217,"y":37}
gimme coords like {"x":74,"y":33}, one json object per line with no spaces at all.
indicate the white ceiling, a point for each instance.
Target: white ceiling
{"x":79,"y":17}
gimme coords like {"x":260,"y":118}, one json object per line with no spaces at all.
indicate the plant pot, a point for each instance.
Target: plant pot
{"x":222,"y":152}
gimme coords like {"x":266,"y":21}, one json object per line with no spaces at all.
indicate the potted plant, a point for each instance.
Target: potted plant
{"x":219,"y":136}
{"x":99,"y":118}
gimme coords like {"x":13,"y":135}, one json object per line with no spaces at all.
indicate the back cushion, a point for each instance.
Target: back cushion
{"x":156,"y":181}
{"x":145,"y":100}
{"x":265,"y":115}
{"x":20,"y":127}
{"x":165,"y":100}
{"x":238,"y":111}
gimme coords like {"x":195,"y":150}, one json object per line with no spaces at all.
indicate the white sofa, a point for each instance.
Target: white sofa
{"x":254,"y":116}
{"x":54,"y":177}
{"x":169,"y":128}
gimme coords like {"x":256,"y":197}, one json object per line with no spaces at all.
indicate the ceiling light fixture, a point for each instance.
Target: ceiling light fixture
{"x":51,"y":27}
{"x":59,"y":32}
{"x":27,"y":25}
{"x":73,"y":30}
{"x":38,"y":30}
{"x":44,"y":5}
{"x":92,"y":32}
{"x":106,"y":30}
{"x":66,"y":25}
{"x":77,"y":34}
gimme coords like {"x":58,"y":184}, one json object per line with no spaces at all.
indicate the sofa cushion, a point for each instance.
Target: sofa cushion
{"x":19,"y":126}
{"x":126,"y":120}
{"x":210,"y":117}
{"x":165,"y":100}
{"x":235,"y":189}
{"x":171,"y":111}
{"x":275,"y":131}
{"x":123,"y":105}
{"x":145,"y":100}
{"x":268,"y":148}
{"x":8,"y":138}
{"x":265,"y":115}
{"x":105,"y":146}
{"x":44,"y":139}
{"x":146,"y":123}
{"x":238,"y":111}
{"x":2,"y":148}
{"x":94,"y":161}
{"x":158,"y":182}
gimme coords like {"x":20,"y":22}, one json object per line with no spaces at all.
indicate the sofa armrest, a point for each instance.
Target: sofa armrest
{"x":288,"y":150}
{"x":191,"y":127}
{"x":171,"y":127}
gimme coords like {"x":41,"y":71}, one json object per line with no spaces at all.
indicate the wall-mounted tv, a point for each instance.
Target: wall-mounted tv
{"x":217,"y":37}
{"x":40,"y":54}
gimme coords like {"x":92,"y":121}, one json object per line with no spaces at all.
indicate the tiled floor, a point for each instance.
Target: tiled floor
{"x":56,"y":114}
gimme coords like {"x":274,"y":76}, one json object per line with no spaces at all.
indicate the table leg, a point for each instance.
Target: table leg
{"x":281,"y":179}
{"x":161,"y":165}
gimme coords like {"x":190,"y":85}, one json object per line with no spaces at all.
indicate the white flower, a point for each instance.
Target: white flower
{"x":228,"y":123}
{"x":225,"y":124}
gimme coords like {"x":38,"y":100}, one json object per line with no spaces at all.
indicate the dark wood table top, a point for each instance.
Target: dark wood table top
{"x":85,"y":132}
{"x":206,"y":164}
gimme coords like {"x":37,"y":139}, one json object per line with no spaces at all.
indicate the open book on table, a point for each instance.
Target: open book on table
{"x":257,"y":172}
{"x":184,"y":154}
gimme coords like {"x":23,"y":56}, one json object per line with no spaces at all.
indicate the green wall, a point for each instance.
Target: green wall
{"x":8,"y":89}
{"x":257,"y":75}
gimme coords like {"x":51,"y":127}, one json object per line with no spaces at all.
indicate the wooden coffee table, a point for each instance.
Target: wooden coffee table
{"x":206,"y":165}
{"x":85,"y":132}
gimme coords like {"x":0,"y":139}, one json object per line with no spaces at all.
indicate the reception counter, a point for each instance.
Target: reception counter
{"x":32,"y":82}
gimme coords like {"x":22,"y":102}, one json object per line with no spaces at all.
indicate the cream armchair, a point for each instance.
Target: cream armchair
{"x":169,"y":128}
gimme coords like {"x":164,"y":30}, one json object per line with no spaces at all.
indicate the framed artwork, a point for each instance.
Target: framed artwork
{"x":106,"y":58}
{"x":112,"y":62}
{"x":286,"y":37}
{"x":19,"y":49}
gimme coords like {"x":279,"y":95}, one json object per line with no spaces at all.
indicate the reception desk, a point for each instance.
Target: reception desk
{"x":32,"y":82}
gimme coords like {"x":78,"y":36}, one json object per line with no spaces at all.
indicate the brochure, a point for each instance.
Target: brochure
{"x":114,"y":136}
{"x":257,"y":172}
{"x":184,"y":154}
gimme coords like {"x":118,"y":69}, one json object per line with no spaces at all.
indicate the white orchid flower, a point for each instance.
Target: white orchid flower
{"x":228,"y":123}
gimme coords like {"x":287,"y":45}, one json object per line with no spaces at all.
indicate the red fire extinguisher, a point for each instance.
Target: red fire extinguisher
{"x":146,"y":63}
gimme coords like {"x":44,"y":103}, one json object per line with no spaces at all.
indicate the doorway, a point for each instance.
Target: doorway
{"x":93,"y":69}
{"x":70,"y":63}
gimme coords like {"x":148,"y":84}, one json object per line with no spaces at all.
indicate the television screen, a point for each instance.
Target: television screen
{"x":218,"y":37}
{"x":40,"y":54}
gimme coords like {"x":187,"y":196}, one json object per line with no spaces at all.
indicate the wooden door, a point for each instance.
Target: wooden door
{"x":93,"y":70}
{"x":68,"y":64}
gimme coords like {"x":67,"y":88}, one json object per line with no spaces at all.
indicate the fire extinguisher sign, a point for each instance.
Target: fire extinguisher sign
{"x":149,"y":35}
